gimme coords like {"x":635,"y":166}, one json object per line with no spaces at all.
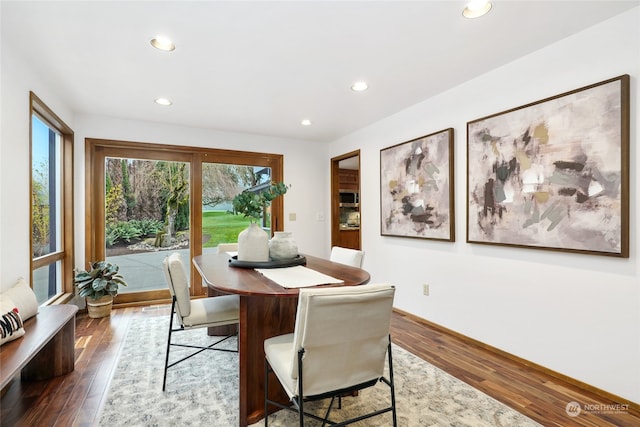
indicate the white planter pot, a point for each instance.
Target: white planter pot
{"x":100,"y":307}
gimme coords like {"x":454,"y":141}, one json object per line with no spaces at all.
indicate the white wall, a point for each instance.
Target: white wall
{"x":575,"y":314}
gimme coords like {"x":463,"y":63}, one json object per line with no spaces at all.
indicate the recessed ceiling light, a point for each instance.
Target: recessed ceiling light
{"x":163,"y":101}
{"x":306,"y":122}
{"x":476,"y":8}
{"x":359,"y":86}
{"x":163,"y":43}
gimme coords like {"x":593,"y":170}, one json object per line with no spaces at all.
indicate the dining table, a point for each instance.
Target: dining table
{"x":267,"y":309}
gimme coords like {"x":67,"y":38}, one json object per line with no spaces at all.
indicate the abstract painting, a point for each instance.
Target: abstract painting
{"x":416,"y":188}
{"x":553,"y":174}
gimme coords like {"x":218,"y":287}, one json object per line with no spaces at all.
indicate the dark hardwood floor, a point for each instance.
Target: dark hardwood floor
{"x":75,"y":399}
{"x":527,"y":389}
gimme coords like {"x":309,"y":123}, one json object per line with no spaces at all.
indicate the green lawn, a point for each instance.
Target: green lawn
{"x":221,"y":227}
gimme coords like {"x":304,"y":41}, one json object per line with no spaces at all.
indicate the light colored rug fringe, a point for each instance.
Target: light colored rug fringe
{"x":204,"y":390}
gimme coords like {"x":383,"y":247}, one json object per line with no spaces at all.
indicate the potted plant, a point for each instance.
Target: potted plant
{"x":99,"y":285}
{"x":253,"y":242}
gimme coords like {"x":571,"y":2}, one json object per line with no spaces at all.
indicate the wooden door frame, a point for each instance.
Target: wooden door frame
{"x":95,"y":150}
{"x":335,"y":196}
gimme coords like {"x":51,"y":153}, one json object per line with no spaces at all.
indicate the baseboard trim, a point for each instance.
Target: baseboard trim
{"x":633,"y":406}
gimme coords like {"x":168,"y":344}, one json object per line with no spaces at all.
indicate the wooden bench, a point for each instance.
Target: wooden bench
{"x":47,"y":348}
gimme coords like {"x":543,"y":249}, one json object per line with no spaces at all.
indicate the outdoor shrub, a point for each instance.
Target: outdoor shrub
{"x":122,"y":231}
{"x":147,"y":227}
{"x":134,"y":229}
{"x":111,"y":236}
{"x":182,"y":219}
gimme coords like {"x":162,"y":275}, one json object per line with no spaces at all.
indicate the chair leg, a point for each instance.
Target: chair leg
{"x":166,"y":359}
{"x":301,"y":417}
{"x":266,"y":392}
{"x":300,"y":388}
{"x":392,"y":386}
{"x":326,"y":415}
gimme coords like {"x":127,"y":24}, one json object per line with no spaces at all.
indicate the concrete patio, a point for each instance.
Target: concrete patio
{"x":143,"y":271}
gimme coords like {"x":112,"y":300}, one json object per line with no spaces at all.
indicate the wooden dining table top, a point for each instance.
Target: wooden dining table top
{"x":220,"y":275}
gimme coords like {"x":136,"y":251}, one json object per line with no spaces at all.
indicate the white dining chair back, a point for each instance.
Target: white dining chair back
{"x":227,"y":247}
{"x":352,"y":257}
{"x":339,"y":344}
{"x":176,"y":277}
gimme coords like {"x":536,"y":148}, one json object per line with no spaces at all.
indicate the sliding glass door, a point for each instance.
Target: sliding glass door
{"x":146,"y":215}
{"x":220,"y":184}
{"x":145,"y":201}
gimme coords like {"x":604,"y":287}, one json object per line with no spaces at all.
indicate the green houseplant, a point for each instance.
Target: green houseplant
{"x":253,"y":242}
{"x":99,"y":284}
{"x":252,"y":204}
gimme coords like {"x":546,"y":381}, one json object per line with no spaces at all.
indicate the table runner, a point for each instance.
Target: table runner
{"x":297,"y":277}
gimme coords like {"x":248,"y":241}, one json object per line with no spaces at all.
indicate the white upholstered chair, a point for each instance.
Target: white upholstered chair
{"x":339,"y":345}
{"x":196,"y":313}
{"x":227,"y":247}
{"x":352,"y":257}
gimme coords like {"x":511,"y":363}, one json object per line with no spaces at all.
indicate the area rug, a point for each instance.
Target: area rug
{"x":204,"y":390}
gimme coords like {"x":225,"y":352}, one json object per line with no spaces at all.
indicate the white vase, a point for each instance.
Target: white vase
{"x":283,"y":246}
{"x":253,"y":244}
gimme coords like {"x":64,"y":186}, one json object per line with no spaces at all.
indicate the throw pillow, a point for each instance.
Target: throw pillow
{"x":24,"y":298}
{"x":11,"y":326}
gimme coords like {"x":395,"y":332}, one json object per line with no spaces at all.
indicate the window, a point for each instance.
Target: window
{"x":51,"y":204}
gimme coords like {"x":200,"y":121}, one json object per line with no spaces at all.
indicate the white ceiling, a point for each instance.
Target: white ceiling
{"x":262,"y":66}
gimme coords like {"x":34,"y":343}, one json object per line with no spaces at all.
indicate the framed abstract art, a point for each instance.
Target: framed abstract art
{"x":416,"y":188}
{"x":553,"y":174}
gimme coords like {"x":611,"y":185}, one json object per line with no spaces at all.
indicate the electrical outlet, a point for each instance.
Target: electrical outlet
{"x":425,"y":289}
